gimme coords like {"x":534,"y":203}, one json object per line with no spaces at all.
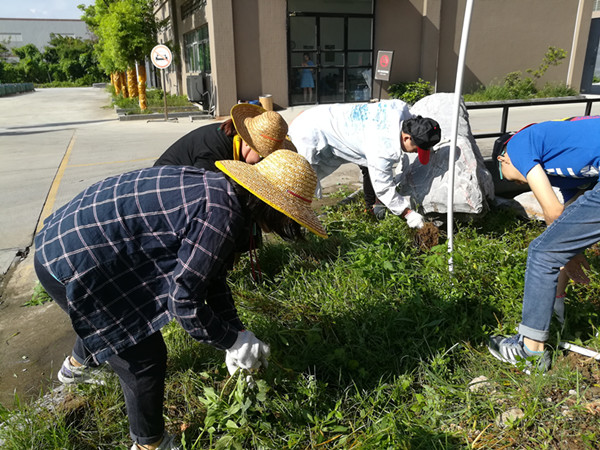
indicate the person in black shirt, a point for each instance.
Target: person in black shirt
{"x":251,"y":134}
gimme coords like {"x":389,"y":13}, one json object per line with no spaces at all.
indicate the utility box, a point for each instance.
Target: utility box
{"x":195,"y":88}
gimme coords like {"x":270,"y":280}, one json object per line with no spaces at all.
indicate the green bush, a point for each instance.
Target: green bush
{"x":410,"y":92}
{"x":155,"y":101}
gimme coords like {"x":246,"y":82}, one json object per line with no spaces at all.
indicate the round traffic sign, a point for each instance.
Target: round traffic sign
{"x":161,"y":56}
{"x":384,"y":60}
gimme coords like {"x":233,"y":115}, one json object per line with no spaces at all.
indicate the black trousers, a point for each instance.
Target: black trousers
{"x":369,"y":192}
{"x":141,"y":370}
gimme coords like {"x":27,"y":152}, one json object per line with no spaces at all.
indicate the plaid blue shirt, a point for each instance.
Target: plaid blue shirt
{"x":139,"y":249}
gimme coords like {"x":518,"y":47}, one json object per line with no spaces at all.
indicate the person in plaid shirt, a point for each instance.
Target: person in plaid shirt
{"x":135,"y":251}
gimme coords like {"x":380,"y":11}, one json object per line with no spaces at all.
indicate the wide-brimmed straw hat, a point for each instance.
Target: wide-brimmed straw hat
{"x":284,"y":180}
{"x":264,"y":131}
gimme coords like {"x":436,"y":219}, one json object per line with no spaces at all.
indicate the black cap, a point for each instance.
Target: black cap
{"x":424,"y":131}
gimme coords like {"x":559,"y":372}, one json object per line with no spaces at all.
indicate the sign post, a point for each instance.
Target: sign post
{"x":161,"y":57}
{"x":384,"y":67}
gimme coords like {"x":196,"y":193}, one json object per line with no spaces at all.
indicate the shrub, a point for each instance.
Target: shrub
{"x":155,"y":101}
{"x":410,"y":92}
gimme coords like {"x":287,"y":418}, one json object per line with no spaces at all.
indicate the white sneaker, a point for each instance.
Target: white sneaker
{"x":69,"y":374}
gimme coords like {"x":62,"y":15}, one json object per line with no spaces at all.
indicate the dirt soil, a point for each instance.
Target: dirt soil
{"x":34,"y":340}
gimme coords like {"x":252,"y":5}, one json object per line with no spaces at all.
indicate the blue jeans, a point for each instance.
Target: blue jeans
{"x":577,"y":228}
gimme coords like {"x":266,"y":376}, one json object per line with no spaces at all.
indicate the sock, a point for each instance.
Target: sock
{"x":529,"y":351}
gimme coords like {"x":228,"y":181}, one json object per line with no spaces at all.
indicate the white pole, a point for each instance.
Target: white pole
{"x":457,"y":95}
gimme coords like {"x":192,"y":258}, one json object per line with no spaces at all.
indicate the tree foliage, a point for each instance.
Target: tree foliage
{"x":126,"y":31}
{"x":64,"y":59}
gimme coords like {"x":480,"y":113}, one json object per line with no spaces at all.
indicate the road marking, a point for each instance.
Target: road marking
{"x":51,"y":197}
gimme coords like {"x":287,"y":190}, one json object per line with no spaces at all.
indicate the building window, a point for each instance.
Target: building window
{"x":11,"y":37}
{"x":596,"y":5}
{"x":197,"y":51}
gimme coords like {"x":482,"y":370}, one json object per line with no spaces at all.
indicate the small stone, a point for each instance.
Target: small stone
{"x":509,"y":417}
{"x":479,"y":383}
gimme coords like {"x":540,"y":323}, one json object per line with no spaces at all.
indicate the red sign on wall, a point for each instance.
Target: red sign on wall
{"x":384,"y":65}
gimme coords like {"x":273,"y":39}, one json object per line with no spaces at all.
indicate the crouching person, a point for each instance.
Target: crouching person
{"x":566,"y":155}
{"x":135,"y":251}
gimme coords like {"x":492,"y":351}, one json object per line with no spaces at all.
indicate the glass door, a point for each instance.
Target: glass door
{"x":330,"y":57}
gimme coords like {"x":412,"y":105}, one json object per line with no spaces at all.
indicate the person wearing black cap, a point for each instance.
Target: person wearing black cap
{"x":373,"y":136}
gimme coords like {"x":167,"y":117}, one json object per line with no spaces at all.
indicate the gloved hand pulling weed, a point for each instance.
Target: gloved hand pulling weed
{"x":414,"y":219}
{"x":248,"y":352}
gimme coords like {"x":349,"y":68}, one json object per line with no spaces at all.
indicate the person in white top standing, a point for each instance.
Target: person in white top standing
{"x":372,"y":135}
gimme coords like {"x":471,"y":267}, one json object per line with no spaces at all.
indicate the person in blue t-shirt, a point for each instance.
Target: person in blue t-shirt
{"x":566,"y":155}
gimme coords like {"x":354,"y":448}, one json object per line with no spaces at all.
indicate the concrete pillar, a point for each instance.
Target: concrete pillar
{"x":222,"y":54}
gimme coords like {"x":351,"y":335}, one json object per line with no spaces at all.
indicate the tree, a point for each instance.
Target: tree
{"x":72,"y":59}
{"x":31,"y":64}
{"x":126,"y":31}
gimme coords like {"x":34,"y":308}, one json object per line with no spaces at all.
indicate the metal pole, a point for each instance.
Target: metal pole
{"x":457,"y":96}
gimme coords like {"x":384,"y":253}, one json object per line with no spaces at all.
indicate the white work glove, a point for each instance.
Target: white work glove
{"x":248,"y":352}
{"x":414,"y":220}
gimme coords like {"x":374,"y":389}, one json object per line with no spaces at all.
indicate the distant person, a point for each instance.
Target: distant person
{"x":250,"y":134}
{"x":566,"y":155}
{"x":307,"y":81}
{"x":372,"y":135}
{"x":135,"y":251}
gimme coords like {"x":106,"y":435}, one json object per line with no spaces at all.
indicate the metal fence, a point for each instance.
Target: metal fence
{"x":507,"y":104}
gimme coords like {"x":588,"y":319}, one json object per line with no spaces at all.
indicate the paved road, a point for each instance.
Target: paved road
{"x":55,"y":142}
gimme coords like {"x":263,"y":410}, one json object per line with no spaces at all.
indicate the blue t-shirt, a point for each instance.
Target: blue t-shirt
{"x":568,"y":151}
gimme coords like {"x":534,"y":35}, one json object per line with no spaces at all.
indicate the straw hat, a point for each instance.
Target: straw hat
{"x":264,"y":131}
{"x":284,"y":180}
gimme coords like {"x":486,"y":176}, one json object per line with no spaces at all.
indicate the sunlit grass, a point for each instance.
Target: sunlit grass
{"x":374,"y":344}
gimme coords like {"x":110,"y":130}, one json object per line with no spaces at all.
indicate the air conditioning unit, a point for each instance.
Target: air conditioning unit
{"x":195,"y":88}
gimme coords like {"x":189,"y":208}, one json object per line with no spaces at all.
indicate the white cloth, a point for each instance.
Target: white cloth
{"x":367,"y":134}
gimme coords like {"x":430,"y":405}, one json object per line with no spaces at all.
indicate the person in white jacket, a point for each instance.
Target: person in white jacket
{"x":372,"y":135}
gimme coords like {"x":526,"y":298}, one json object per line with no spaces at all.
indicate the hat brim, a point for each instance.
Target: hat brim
{"x":250,"y":178}
{"x":241,"y":112}
{"x":423,"y":155}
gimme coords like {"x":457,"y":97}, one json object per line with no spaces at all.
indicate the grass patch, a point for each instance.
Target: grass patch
{"x":373,"y":346}
{"x":155,"y":101}
{"x":39,"y":296}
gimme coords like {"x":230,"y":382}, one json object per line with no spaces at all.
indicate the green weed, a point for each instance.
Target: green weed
{"x":39,"y":296}
{"x":374,"y":345}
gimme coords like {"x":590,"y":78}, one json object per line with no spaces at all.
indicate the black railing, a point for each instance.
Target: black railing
{"x":507,"y":104}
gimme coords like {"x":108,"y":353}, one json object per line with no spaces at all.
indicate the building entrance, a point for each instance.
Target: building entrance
{"x":330,"y":56}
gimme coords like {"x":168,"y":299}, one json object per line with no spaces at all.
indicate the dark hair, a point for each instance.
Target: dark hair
{"x":498,"y":149}
{"x":267,"y":217}
{"x":228,"y":128}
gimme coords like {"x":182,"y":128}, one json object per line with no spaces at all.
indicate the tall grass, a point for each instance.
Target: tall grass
{"x":373,"y":344}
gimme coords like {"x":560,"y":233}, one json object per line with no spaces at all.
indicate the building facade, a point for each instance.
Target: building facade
{"x":20,"y":32}
{"x":231,"y":50}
